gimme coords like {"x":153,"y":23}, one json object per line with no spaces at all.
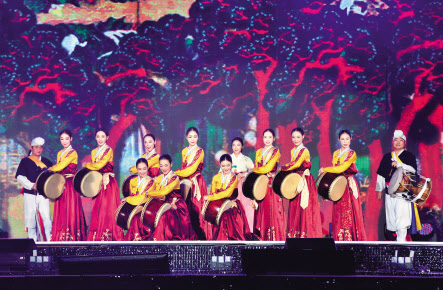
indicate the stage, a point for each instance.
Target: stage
{"x":199,"y":264}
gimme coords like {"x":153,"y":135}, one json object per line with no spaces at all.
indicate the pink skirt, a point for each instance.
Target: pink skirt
{"x":233,"y":225}
{"x":105,"y":204}
{"x":305,"y":223}
{"x":69,"y":220}
{"x":247,"y":204}
{"x":270,"y":218}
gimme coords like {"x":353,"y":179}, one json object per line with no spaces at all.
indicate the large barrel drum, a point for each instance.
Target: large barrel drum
{"x":285,"y":184}
{"x":213,"y":210}
{"x":50,"y":184}
{"x":255,"y":186}
{"x":152,"y":211}
{"x":126,"y":187}
{"x":88,"y":182}
{"x":331,"y":186}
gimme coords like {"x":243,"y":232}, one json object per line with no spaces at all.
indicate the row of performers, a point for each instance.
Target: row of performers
{"x":245,"y":219}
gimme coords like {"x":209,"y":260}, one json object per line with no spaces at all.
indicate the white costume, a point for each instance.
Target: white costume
{"x":398,"y":210}
{"x":243,"y":163}
{"x":34,"y":203}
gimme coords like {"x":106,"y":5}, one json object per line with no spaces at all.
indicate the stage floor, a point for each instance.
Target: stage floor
{"x":224,"y":258}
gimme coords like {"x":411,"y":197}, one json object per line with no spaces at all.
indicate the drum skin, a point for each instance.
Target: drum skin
{"x":213,"y":210}
{"x":399,"y":181}
{"x":255,"y":186}
{"x":153,"y":209}
{"x":126,"y":187}
{"x":185,"y":187}
{"x":125,"y":213}
{"x":285,"y":184}
{"x":88,"y":182}
{"x":331,"y":186}
{"x":50,"y":184}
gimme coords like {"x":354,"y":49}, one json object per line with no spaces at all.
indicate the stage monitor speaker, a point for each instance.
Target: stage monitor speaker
{"x":310,"y":244}
{"x":134,"y":264}
{"x":300,"y":256}
{"x":15,"y":253}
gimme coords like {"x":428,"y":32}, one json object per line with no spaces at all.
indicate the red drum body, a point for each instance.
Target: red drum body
{"x":213,"y":210}
{"x":152,"y":211}
{"x":125,"y":213}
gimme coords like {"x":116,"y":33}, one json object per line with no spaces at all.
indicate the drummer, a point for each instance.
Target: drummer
{"x":174,"y":224}
{"x":69,"y":219}
{"x":138,"y":188}
{"x":34,"y":205}
{"x":269,"y":223}
{"x":192,"y":167}
{"x":304,"y":219}
{"x":102,"y":226}
{"x":347,"y":216}
{"x":233,"y":224}
{"x":400,"y":213}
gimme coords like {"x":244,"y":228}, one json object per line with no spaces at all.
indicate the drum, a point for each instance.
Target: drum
{"x":152,"y":211}
{"x":125,"y":213}
{"x":331,"y":186}
{"x":285,"y":184}
{"x":255,"y":186}
{"x":420,"y":191}
{"x":126,"y":188}
{"x":50,"y":184}
{"x":185,"y":187}
{"x":213,"y":210}
{"x":401,"y":181}
{"x":406,"y":186}
{"x":88,"y":182}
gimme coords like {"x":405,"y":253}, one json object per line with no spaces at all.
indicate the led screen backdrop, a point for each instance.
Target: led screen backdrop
{"x":231,"y":68}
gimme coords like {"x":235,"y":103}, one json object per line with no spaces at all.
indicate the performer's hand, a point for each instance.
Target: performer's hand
{"x":205,"y":198}
{"x":321,"y":170}
{"x":254,"y":205}
{"x":241,"y":175}
{"x":378,"y":194}
{"x":395,"y":164}
{"x":34,"y":186}
{"x":84,"y":164}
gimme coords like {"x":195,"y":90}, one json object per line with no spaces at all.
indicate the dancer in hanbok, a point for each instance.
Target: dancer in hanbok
{"x":192,"y":166}
{"x":304,"y":219}
{"x":347,"y":216}
{"x":105,"y":204}
{"x":69,"y":222}
{"x":269,"y":222}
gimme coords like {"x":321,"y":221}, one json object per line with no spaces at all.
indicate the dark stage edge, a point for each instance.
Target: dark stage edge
{"x":232,"y":282}
{"x":196,"y":258}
